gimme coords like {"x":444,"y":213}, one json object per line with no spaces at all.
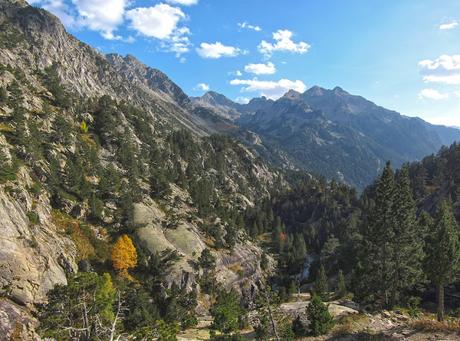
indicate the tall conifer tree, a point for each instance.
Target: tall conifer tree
{"x":407,"y":244}
{"x":377,"y":257}
{"x":443,"y":253}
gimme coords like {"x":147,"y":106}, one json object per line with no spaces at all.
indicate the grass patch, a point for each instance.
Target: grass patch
{"x":428,"y":324}
{"x":236,"y":268}
{"x":351,"y":324}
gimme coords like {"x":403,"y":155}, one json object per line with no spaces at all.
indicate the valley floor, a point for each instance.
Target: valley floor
{"x":352,"y":325}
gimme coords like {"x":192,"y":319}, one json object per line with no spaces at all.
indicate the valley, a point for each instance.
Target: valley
{"x":131,"y":211}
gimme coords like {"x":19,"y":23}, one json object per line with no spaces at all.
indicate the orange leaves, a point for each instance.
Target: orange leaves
{"x":124,"y":255}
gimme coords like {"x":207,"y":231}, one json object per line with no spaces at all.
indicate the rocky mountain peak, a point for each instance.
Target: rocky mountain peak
{"x":315,"y":91}
{"x":339,"y":91}
{"x":292,"y":94}
{"x":154,"y":79}
{"x":217,"y":98}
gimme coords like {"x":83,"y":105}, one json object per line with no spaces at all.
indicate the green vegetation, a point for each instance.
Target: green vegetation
{"x":321,"y":285}
{"x":392,"y":247}
{"x":227,"y":313}
{"x":341,"y":285}
{"x":34,"y":219}
{"x":84,"y":309}
{"x":318,"y":315}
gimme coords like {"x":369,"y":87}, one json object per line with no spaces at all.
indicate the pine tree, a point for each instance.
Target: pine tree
{"x":300,"y":248}
{"x":227,"y":313}
{"x":341,"y":285}
{"x":377,"y":252}
{"x":407,"y":247}
{"x":321,"y":285}
{"x":320,"y":319}
{"x":443,"y":253}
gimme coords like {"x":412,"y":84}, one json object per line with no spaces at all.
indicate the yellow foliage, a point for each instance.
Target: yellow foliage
{"x":84,"y":127}
{"x":86,"y":138}
{"x":124,"y":255}
{"x":6,"y":128}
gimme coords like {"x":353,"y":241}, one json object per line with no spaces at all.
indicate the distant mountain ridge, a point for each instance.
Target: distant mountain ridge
{"x":335,"y":133}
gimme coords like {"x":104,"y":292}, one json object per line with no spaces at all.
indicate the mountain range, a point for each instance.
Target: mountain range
{"x":98,"y":151}
{"x":332,"y":132}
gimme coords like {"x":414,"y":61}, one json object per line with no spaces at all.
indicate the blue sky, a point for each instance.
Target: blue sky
{"x":401,"y":54}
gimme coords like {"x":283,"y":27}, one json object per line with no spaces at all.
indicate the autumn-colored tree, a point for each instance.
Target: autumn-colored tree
{"x":124,"y":255}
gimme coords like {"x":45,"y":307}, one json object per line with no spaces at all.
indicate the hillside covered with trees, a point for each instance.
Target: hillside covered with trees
{"x":127,"y":215}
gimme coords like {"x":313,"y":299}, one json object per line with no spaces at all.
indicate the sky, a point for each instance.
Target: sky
{"x":401,"y":54}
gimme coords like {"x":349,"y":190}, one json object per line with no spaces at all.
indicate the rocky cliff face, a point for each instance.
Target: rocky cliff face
{"x":35,"y":255}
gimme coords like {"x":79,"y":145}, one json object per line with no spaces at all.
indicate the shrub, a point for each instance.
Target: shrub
{"x":34,"y":219}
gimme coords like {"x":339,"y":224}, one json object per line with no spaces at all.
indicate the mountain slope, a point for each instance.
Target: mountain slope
{"x":92,"y":147}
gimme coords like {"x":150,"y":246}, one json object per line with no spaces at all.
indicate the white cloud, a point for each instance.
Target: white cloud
{"x":161,"y":22}
{"x":445,"y":69}
{"x":242,"y":100}
{"x":283,"y":42}
{"x":270,"y":89}
{"x":59,"y":9}
{"x":449,"y":25}
{"x":101,"y":15}
{"x":238,"y":73}
{"x":202,"y":87}
{"x":432,"y":94}
{"x":261,"y":69}
{"x":218,"y":50}
{"x":248,"y":26}
{"x":183,"y":2}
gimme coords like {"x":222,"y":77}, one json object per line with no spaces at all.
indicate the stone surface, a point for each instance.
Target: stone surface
{"x":31,"y":257}
{"x":16,"y":322}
